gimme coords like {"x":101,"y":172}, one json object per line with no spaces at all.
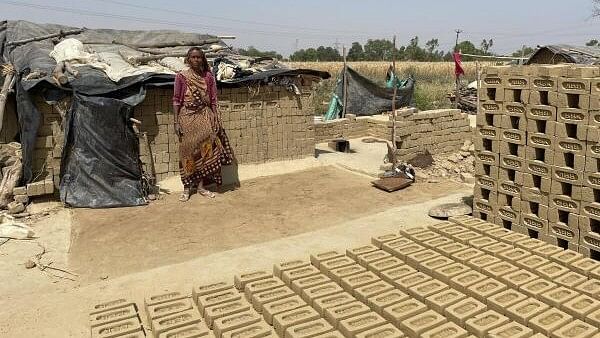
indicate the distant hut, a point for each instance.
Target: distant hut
{"x":555,"y":54}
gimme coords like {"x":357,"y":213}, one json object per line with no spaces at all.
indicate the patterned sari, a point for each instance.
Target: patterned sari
{"x":203,"y":146}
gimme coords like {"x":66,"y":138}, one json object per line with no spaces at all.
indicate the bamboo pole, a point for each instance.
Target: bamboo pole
{"x":394,"y":160}
{"x":171,"y":43}
{"x":143,"y":59}
{"x":9,"y":81}
{"x":345,"y":83}
{"x":45,"y":37}
{"x":478,"y":70}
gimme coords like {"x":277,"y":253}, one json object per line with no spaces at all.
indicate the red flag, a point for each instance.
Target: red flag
{"x":458,"y":69}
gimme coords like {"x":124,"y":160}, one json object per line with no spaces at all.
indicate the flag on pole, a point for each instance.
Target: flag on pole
{"x":458,"y":69}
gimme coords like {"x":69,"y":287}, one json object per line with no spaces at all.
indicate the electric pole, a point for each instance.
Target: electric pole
{"x":458,"y":31}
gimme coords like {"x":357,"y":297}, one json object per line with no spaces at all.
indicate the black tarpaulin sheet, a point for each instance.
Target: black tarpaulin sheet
{"x":100,"y":162}
{"x":367,"y":98}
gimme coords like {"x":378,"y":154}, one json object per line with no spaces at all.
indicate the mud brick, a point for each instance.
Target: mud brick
{"x":327,"y":266}
{"x":572,"y":123}
{"x":522,"y":230}
{"x":367,"y":291}
{"x":537,"y":175}
{"x":256,"y":330}
{"x":118,"y":314}
{"x":322,"y":290}
{"x":317,"y":258}
{"x":529,"y":244}
{"x":289,"y":265}
{"x":212,"y":299}
{"x":478,"y":263}
{"x":442,"y":225}
{"x":168,"y":308}
{"x":509,"y":188}
{"x":516,"y":98}
{"x":380,"y":240}
{"x":462,"y":281}
{"x":547,"y":250}
{"x":513,"y":136}
{"x":595,"y":273}
{"x":434,"y":263}
{"x":352,"y":326}
{"x":262,"y":285}
{"x":402,"y":251}
{"x":504,"y":299}
{"x":437,"y":242}
{"x":164,"y":298}
{"x":491,"y":94}
{"x":390,"y":246}
{"x":117,"y":329}
{"x":464,"y":256}
{"x":549,"y":321}
{"x":591,"y":217}
{"x":467,"y":236}
{"x":422,"y":322}
{"x":482,"y":323}
{"x":240,"y":281}
{"x":290,"y":275}
{"x":225,"y":309}
{"x":425,"y":236}
{"x":398,"y":312}
{"x":485,"y":193}
{"x":323,"y":303}
{"x":452,"y":230}
{"x":175,"y":321}
{"x":513,"y":238}
{"x":496,"y":249}
{"x":558,"y":296}
{"x":562,"y":231}
{"x":193,"y":330}
{"x":486,"y":288}
{"x":576,"y":163}
{"x":541,"y":112}
{"x":350,"y":270}
{"x":552,"y":270}
{"x":299,"y":284}
{"x":508,"y":214}
{"x":386,"y":299}
{"x":523,"y":311}
{"x":261,"y":298}
{"x":282,"y":321}
{"x":562,"y":100}
{"x":511,"y":329}
{"x":374,"y":256}
{"x":574,"y":86}
{"x":385,"y":331}
{"x":571,"y":279}
{"x":536,"y":288}
{"x":462,"y":310}
{"x":235,"y":321}
{"x":564,"y":203}
{"x":570,"y":145}
{"x":538,"y":221}
{"x":540,"y":97}
{"x":513,"y":148}
{"x":566,"y":257}
{"x":205,"y":289}
{"x":332,"y":334}
{"x":585,"y":265}
{"x":395,"y":273}
{"x":415,"y":259}
{"x":354,"y":252}
{"x":509,"y":170}
{"x":385,"y":264}
{"x":335,"y":314}
{"x":110,"y":305}
{"x":421,"y":291}
{"x":410,"y":231}
{"x":447,"y":330}
{"x":350,"y":283}
{"x":308,"y":329}
{"x":576,"y":328}
{"x":405,"y":282}
{"x":594,"y":318}
{"x":483,"y":215}
{"x":484,"y":227}
{"x":520,"y":277}
{"x":580,"y":306}
{"x":489,"y":119}
{"x":487,"y":157}
{"x":487,"y":139}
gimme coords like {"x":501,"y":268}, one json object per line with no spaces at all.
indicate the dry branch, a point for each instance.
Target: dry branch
{"x":9,"y":76}
{"x":170,"y":44}
{"x":45,"y":37}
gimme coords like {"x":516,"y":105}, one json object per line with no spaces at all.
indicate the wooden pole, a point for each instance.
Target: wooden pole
{"x":9,"y":81}
{"x":45,"y":37}
{"x":345,"y":83}
{"x":394,"y":102}
{"x":478,"y":80}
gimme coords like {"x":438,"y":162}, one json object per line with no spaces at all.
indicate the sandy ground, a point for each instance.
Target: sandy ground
{"x":278,"y":213}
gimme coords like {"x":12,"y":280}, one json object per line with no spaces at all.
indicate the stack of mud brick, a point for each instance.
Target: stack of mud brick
{"x":460,"y":278}
{"x":538,"y":155}
{"x":348,"y":127}
{"x":436,"y":131}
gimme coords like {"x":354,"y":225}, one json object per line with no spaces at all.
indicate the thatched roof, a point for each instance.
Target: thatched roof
{"x":554,"y":54}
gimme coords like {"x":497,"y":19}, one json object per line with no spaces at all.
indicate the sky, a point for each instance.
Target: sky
{"x":285,"y":26}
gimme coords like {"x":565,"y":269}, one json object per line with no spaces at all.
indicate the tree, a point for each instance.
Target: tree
{"x":432,"y":45}
{"x":486,"y":45}
{"x":413,"y":51}
{"x":252,"y":51}
{"x":378,"y":50}
{"x":319,"y":54}
{"x":356,"y":52}
{"x":596,"y":11}
{"x":592,"y":43}
{"x":525,"y":51}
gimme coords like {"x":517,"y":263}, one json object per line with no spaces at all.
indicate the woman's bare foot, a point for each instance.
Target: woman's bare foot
{"x":185,"y":195}
{"x":206,"y":193}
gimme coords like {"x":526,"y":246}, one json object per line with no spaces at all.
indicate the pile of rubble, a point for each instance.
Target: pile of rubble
{"x":458,"y":166}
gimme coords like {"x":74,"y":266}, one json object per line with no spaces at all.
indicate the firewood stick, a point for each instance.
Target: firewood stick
{"x":6,"y":88}
{"x":45,"y":37}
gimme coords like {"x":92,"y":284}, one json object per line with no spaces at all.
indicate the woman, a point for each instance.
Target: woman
{"x":203,"y":144}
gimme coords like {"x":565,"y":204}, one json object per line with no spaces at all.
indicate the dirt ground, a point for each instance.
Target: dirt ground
{"x":112,"y":242}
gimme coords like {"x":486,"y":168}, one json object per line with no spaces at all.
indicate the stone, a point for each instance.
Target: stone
{"x":467,"y":178}
{"x":449,"y":210}
{"x":15,"y":207}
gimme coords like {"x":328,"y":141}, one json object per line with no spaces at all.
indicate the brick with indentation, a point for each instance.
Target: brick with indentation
{"x":512,"y":330}
{"x":593,"y":318}
{"x":514,"y":255}
{"x":212,"y":299}
{"x":352,"y":326}
{"x":498,"y":233}
{"x":299,"y":284}
{"x":464,"y":280}
{"x":385,"y":331}
{"x":390,"y":246}
{"x":425,"y":236}
{"x":590,"y":288}
{"x":437,"y":242}
{"x":193,"y":330}
{"x":523,"y":311}
{"x":335,"y":263}
{"x":416,"y":325}
{"x":547,"y":250}
{"x":398,"y":312}
{"x":445,"y":273}
{"x":550,"y":320}
{"x":405,"y":282}
{"x":566,"y":257}
{"x":558,"y":296}
{"x":486,"y":288}
{"x":416,"y":258}
{"x":465,"y":309}
{"x":364,"y":292}
{"x":308,"y":329}
{"x":354,"y":252}
{"x":114,"y":315}
{"x":131,"y":326}
{"x":465,"y":255}
{"x":520,"y":277}
{"x":225,"y":309}
{"x":288,"y":265}
{"x":439,"y":301}
{"x":332,"y":334}
{"x":442,"y":225}
{"x":482,"y":323}
{"x":175,"y":321}
{"x":497,"y":248}
{"x":334,"y":300}
{"x":536,"y":288}
{"x":280,"y":306}
{"x":395,"y":273}
{"x":532,"y":262}
{"x":503,"y":300}
{"x":571,"y":279}
{"x":447,"y":330}
{"x":467,"y":236}
{"x":259,"y":299}
{"x":110,"y":305}
{"x":241,"y":280}
{"x":529,"y":244}
{"x":408,"y":249}
{"x":350,"y":270}
{"x":585,"y":265}
{"x":318,"y":291}
{"x":499,"y":269}
{"x":378,"y":241}
{"x":262,"y":285}
{"x":337,"y":313}
{"x":164,"y":298}
{"x":449,"y":249}
{"x":291,"y":275}
{"x":423,"y":290}
{"x":408,"y":232}
{"x":434,"y":263}
{"x":352,"y":282}
{"x":282,"y":321}
{"x":552,"y":270}
{"x":482,"y":242}
{"x":576,"y":329}
{"x":204,"y":289}
{"x":580,"y":306}
{"x":257,"y":330}
{"x":381,"y":301}
{"x":384,"y":264}
{"x":374,"y":256}
{"x":317,"y":258}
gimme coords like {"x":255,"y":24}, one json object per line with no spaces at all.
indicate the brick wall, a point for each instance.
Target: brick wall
{"x":537,"y":153}
{"x":263,"y":124}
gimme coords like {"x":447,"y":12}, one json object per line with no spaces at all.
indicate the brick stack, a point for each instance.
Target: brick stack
{"x":535,"y":159}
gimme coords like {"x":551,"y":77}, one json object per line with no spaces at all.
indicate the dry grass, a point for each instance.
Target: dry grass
{"x":434,"y":79}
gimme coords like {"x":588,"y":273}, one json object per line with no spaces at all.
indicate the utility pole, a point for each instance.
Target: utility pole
{"x":458,"y":31}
